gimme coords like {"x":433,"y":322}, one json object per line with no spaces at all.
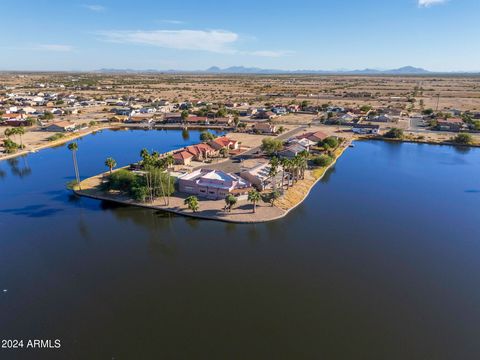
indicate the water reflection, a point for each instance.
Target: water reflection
{"x":17,"y":169}
{"x":462,"y":149}
{"x":185,"y":134}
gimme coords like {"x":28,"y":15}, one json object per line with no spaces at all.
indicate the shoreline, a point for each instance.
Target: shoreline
{"x":247,"y":217}
{"x":117,"y":126}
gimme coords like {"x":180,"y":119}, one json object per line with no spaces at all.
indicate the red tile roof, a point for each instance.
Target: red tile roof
{"x":224,"y":141}
{"x":182,"y":155}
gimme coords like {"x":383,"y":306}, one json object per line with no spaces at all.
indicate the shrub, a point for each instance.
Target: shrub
{"x":330,"y":142}
{"x":463,"y":139}
{"x":122,"y":180}
{"x":10,"y":146}
{"x":394,"y":133}
{"x":139,"y":193}
{"x":323,"y":160}
{"x":271,"y":145}
{"x":56,"y":136}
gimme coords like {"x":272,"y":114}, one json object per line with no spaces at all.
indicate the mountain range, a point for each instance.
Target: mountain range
{"x":406,"y":70}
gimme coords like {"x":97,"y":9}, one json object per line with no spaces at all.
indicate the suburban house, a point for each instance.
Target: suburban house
{"x":306,"y":143}
{"x":348,"y":117}
{"x":61,"y":126}
{"x":196,"y":120}
{"x":201,"y":151}
{"x":224,"y":142}
{"x":140,"y":119}
{"x":315,"y":137}
{"x":450,"y":124}
{"x":182,"y":157}
{"x":222,"y":121}
{"x":27,"y":110}
{"x":197,"y":152}
{"x":259,"y":176}
{"x":365,"y":129}
{"x":292,"y":150}
{"x":380,"y":118}
{"x":212,"y":184}
{"x":173,"y":118}
{"x":11,"y":116}
{"x":279,"y":110}
{"x":265,"y":115}
{"x":17,"y":122}
{"x":294,"y":108}
{"x":265,"y":128}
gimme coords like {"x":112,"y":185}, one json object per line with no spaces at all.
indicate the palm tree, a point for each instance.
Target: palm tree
{"x":192,"y":203}
{"x":169,"y":161}
{"x":230,"y":200}
{"x":20,"y":131}
{"x":224,"y":152}
{"x":110,"y":163}
{"x":274,"y":164}
{"x":274,"y":196}
{"x":283,"y":164}
{"x":73,"y":147}
{"x":254,"y":197}
{"x":145,"y":155}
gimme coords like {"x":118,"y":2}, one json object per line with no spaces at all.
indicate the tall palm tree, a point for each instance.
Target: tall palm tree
{"x":254,"y":198}
{"x":110,"y":163}
{"x":192,"y":203}
{"x":73,"y":147}
{"x":20,"y":131}
{"x":284,"y":165}
{"x":169,"y":161}
{"x":274,"y":164}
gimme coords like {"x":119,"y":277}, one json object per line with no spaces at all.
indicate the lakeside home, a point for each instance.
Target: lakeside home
{"x":63,"y":126}
{"x":364,"y":129}
{"x":213,"y":184}
{"x":259,"y":176}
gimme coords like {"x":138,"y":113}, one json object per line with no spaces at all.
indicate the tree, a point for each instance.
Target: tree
{"x":184,"y":115}
{"x":254,"y":197}
{"x":394,"y":133}
{"x":169,"y":162}
{"x":365,"y":108}
{"x":10,"y":146}
{"x":281,"y":130}
{"x":330,"y":142}
{"x":110,"y":163}
{"x":272,"y":173}
{"x":271,"y":145}
{"x":463,"y":139}
{"x":271,"y":197}
{"x":323,"y":160}
{"x":192,"y":203}
{"x":20,"y":131}
{"x":230,"y":201}
{"x":206,"y":136}
{"x":222,"y":112}
{"x":8,"y":132}
{"x":73,"y":147}
{"x":224,"y":152}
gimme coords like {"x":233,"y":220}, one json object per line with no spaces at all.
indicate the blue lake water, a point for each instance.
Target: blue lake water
{"x":382,"y":261}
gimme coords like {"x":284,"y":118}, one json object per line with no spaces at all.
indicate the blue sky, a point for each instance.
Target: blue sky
{"x":440,"y":35}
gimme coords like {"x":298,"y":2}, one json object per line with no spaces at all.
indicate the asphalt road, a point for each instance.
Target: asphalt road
{"x":234,"y":165}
